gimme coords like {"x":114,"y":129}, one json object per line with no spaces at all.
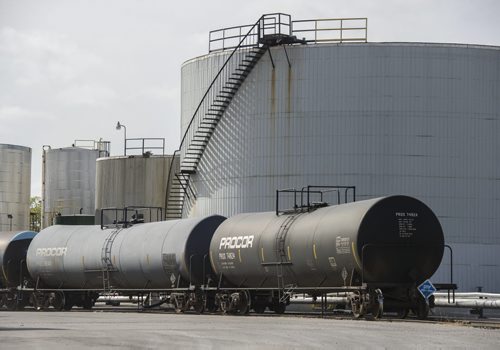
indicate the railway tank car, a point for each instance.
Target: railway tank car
{"x":84,"y":260}
{"x":13,"y":274}
{"x":377,"y":248}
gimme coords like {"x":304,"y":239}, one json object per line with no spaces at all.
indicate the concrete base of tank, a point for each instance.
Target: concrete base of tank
{"x":132,"y":330}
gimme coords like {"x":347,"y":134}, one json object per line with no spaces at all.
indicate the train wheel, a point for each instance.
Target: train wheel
{"x":357,"y":306}
{"x":57,"y":300}
{"x":210,"y":304}
{"x":376,"y":304}
{"x":244,"y":302}
{"x":11,"y":301}
{"x":199,"y":304}
{"x":178,"y":303}
{"x":422,"y":309}
{"x":87,"y":303}
{"x":259,"y":307}
{"x":40,"y":301}
{"x":402,"y":313}
{"x":279,"y":308}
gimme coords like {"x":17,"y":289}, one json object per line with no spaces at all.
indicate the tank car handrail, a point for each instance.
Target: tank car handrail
{"x":363,"y":249}
{"x":307,"y":191}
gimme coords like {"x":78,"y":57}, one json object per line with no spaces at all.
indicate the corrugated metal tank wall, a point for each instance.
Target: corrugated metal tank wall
{"x":400,"y":118}
{"x":15,"y":187}
{"x":132,"y":181}
{"x":68,"y":182}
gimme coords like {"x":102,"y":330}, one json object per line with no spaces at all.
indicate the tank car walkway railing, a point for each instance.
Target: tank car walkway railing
{"x":250,"y":47}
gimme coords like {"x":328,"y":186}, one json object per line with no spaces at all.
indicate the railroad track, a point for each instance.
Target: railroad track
{"x":458,"y":321}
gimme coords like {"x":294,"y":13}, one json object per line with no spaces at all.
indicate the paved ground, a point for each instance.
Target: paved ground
{"x":104,"y":330}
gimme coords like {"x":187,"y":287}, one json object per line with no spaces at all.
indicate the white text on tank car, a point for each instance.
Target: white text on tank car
{"x":236,"y":242}
{"x":58,"y":251}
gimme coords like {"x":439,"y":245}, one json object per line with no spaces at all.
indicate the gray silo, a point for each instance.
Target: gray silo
{"x":68,"y":179}
{"x":136,"y":180}
{"x":419,"y":119}
{"x":15,"y":187}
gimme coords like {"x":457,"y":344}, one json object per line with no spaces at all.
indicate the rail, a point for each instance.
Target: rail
{"x":146,"y":145}
{"x":104,"y":147}
{"x":316,"y":31}
{"x":450,"y":287}
{"x":307,"y":193}
{"x":136,"y":214}
{"x":332,"y":30}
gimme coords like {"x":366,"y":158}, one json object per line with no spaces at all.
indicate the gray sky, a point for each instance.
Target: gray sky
{"x":71,"y":69}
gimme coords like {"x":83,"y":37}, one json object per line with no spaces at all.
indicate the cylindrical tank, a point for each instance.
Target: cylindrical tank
{"x":68,"y":182}
{"x":132,"y":181}
{"x":13,"y":249}
{"x":15,"y":187}
{"x":419,"y":119}
{"x":395,"y":239}
{"x":153,"y":255}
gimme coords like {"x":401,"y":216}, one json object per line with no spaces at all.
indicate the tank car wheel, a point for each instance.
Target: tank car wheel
{"x":279,"y":308}
{"x":11,"y":301}
{"x":40,"y":301}
{"x":402,"y":313}
{"x":57,"y":301}
{"x":199,"y":304}
{"x":244,"y":303}
{"x":87,"y":303}
{"x":376,"y":304}
{"x":259,"y":307}
{"x":3,"y":299}
{"x":178,"y":304}
{"x":210,"y":304}
{"x":357,"y":306}
{"x":422,"y":310}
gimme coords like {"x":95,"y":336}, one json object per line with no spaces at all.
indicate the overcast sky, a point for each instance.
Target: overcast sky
{"x":71,"y":69}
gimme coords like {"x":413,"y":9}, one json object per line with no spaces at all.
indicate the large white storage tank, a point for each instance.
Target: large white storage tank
{"x":68,"y":184}
{"x":418,"y":119}
{"x":136,"y":180}
{"x":15,"y":187}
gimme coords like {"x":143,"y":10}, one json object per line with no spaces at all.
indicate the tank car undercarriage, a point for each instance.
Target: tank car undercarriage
{"x":362,"y":301}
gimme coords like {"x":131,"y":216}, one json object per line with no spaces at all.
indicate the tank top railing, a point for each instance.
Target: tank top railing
{"x":314,"y":31}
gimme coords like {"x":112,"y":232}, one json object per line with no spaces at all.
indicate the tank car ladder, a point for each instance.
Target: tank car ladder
{"x":283,"y":257}
{"x":107,"y":262}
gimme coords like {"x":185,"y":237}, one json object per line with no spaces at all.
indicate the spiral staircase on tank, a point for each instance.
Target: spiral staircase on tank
{"x":269,"y":30}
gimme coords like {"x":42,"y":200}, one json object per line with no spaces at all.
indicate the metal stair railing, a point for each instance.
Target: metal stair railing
{"x":212,"y":106}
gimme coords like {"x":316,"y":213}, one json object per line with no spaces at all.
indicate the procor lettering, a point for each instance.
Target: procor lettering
{"x":58,"y":251}
{"x":236,"y":242}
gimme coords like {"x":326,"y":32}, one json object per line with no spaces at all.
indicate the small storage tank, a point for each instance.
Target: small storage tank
{"x":151,"y":255}
{"x":138,"y":180}
{"x":68,"y":184}
{"x":15,"y":187}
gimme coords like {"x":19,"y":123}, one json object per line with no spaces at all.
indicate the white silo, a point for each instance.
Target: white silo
{"x":390,"y":118}
{"x":15,"y":187}
{"x":68,"y":179}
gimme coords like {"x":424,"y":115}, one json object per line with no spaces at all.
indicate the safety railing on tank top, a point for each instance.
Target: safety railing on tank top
{"x":327,"y":30}
{"x":104,"y":147}
{"x":231,"y":37}
{"x":144,"y":146}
